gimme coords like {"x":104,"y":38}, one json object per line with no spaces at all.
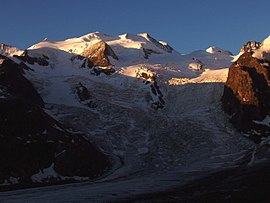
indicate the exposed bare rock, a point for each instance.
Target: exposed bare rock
{"x":42,"y":61}
{"x":250,"y":46}
{"x":161,"y":45}
{"x":82,"y":92}
{"x":107,"y":70}
{"x":86,"y":62}
{"x":247,"y":95}
{"x":32,"y":142}
{"x":13,"y":81}
{"x":98,"y":53}
{"x":148,"y":52}
{"x":197,"y":65}
{"x":155,"y":96}
{"x":84,"y":96}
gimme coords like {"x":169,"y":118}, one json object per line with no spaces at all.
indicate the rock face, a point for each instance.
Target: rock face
{"x":14,"y":83}
{"x":106,"y":70}
{"x":148,"y":52}
{"x":247,"y":95}
{"x":155,"y":96}
{"x":31,"y":141}
{"x":98,"y":53}
{"x":250,"y":46}
{"x":84,"y":96}
{"x":82,"y":92}
{"x":86,"y":62}
{"x":42,"y":61}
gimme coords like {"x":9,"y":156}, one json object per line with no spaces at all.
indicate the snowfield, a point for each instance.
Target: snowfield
{"x":152,"y":149}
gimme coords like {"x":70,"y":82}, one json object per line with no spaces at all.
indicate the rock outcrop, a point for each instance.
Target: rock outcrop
{"x":148,"y":52}
{"x":99,"y":53}
{"x":250,"y":46}
{"x":34,"y":147}
{"x":247,"y":95}
{"x":42,"y":61}
{"x":154,"y":96}
{"x":161,"y":45}
{"x":84,"y":96}
{"x":104,"y":70}
{"x":15,"y":84}
{"x":86,"y":63}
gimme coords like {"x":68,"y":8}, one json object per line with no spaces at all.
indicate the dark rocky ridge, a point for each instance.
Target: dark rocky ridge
{"x":250,"y":45}
{"x":42,"y":61}
{"x":155,"y":96}
{"x":247,"y":95}
{"x":86,"y":62}
{"x":84,"y":96}
{"x":13,"y":81}
{"x":148,"y":52}
{"x":166,"y":47}
{"x":31,"y":140}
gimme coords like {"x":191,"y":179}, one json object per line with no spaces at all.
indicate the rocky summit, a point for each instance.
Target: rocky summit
{"x":247,"y":95}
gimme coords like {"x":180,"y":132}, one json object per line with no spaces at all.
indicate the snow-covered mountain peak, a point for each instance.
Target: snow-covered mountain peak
{"x":97,"y":36}
{"x":121,"y":43}
{"x":130,"y":50}
{"x":216,"y":50}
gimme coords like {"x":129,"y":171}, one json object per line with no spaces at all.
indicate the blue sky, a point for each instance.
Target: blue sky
{"x":186,"y":25}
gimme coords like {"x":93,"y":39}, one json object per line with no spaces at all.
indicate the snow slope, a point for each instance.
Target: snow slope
{"x":153,"y":149}
{"x":263,"y":52}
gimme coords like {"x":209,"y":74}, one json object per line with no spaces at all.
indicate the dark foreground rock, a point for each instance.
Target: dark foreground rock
{"x":247,"y":95}
{"x":242,"y":184}
{"x":34,"y":147}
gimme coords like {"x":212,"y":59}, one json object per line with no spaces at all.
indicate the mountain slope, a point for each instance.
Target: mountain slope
{"x":34,"y":147}
{"x":155,"y":111}
{"x":246,"y":95}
